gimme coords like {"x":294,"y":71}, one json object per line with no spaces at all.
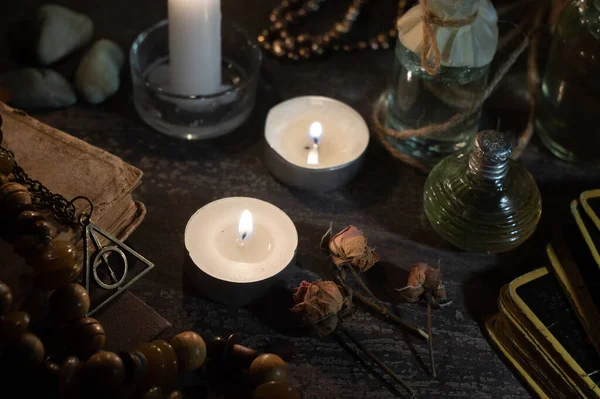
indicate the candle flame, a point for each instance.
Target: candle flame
{"x":246,"y":226}
{"x":315,"y":133}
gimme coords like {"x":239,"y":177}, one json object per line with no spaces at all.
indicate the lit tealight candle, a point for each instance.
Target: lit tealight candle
{"x":337,"y":139}
{"x":238,"y":248}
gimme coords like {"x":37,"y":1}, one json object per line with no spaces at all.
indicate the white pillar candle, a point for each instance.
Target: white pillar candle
{"x":195,"y":46}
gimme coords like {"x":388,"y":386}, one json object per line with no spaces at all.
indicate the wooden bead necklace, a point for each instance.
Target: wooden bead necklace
{"x":77,"y":366}
{"x":277,"y":40}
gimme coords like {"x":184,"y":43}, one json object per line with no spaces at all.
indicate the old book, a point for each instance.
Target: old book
{"x":72,"y":167}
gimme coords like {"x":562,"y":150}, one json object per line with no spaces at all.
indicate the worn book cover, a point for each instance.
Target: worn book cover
{"x":71,"y":167}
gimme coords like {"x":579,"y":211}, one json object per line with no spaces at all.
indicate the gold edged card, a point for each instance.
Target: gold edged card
{"x":586,"y":228}
{"x":585,"y":198}
{"x":496,"y":329}
{"x":545,"y":340}
{"x":576,"y":292}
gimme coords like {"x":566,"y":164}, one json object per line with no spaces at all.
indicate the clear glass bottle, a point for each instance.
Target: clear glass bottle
{"x":418,"y":99}
{"x":566,"y":118}
{"x":483,"y":201}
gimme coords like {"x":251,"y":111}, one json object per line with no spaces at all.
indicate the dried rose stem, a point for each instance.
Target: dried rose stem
{"x":362,"y":284}
{"x":430,"y":333}
{"x":388,"y":315}
{"x":376,"y":360}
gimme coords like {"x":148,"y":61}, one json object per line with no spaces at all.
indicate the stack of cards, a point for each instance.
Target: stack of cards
{"x":549,"y":326}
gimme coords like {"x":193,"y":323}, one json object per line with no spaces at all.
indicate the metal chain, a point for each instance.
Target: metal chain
{"x":42,"y":198}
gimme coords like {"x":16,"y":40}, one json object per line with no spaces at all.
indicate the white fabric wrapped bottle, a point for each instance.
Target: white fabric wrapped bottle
{"x":443,"y":55}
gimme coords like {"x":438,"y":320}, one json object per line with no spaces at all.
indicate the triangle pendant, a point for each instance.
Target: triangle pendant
{"x":107,"y":267}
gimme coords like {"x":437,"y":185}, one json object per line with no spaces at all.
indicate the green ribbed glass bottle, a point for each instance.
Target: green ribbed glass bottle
{"x":483,"y":201}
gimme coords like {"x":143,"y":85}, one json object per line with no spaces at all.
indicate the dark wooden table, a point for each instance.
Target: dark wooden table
{"x":384,"y":200}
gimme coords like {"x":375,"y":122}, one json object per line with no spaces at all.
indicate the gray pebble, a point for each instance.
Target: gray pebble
{"x":61,"y":32}
{"x":97,"y":77}
{"x":37,"y":88}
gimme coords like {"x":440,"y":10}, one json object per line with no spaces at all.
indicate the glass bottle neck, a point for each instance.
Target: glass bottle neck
{"x":489,"y":172}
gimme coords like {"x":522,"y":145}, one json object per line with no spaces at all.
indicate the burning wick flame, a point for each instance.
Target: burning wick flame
{"x":315,"y":133}
{"x":245,"y":227}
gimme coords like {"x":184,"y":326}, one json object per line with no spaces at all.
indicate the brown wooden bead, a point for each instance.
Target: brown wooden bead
{"x":242,"y":356}
{"x":59,"y":255}
{"x":215,"y":348}
{"x":175,"y":395}
{"x":6,"y":163}
{"x":13,"y":197}
{"x":13,"y":325}
{"x":276,"y":390}
{"x":6,"y":299}
{"x":52,"y":367}
{"x":278,"y":48}
{"x":70,"y":302}
{"x":69,"y":378}
{"x":190,"y":349}
{"x":28,"y":351}
{"x":87,"y":337}
{"x":42,"y":228}
{"x":29,"y":246}
{"x":268,"y":367}
{"x":153,"y":393}
{"x":170,"y":359}
{"x":104,"y":371}
{"x":54,"y":279}
{"x":304,"y":52}
{"x":136,"y":366}
{"x":56,"y":265}
{"x":156,"y":373}
{"x":26,"y":219}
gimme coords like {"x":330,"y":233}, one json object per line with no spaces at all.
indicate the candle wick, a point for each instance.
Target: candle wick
{"x":244,"y":235}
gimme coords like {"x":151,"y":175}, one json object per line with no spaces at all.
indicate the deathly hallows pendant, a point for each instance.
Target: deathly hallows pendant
{"x":109,"y":267}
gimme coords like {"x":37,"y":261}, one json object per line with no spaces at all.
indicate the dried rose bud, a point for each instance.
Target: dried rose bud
{"x":319,"y":304}
{"x":423,"y":278}
{"x":349,"y":247}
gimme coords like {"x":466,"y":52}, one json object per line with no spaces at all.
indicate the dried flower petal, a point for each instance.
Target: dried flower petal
{"x":301,"y":291}
{"x":319,"y":304}
{"x":411,"y":294}
{"x":423,"y":278}
{"x":349,"y":247}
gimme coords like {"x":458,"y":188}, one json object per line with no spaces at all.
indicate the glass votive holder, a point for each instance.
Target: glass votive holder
{"x":194,"y":117}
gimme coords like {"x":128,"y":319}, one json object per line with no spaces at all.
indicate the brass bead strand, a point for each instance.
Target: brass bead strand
{"x":277,"y":40}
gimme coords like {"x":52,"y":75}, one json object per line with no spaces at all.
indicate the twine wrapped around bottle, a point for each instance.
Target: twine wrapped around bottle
{"x":472,"y":102}
{"x":429,"y":38}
